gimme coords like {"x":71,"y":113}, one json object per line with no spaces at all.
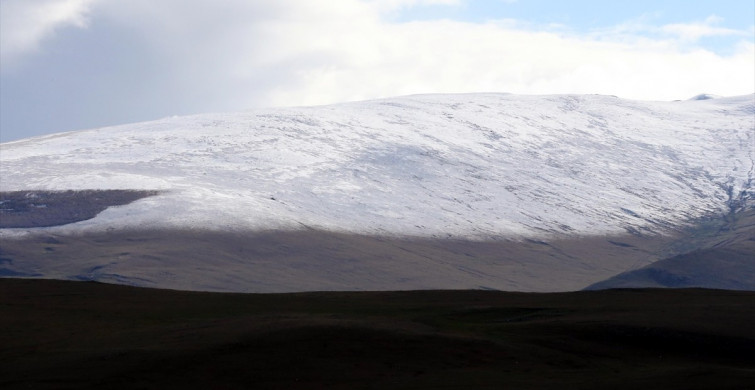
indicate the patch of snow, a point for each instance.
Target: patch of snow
{"x":705,"y":96}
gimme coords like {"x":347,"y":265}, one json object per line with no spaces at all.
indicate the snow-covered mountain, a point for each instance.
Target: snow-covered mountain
{"x":479,"y":167}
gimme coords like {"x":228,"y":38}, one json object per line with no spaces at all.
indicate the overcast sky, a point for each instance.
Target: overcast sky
{"x":76,"y":64}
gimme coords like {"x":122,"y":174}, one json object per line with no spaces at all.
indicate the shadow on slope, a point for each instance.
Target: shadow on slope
{"x":726,"y":259}
{"x":312,"y":260}
{"x":26,"y":209}
{"x":716,"y":254}
{"x":89,"y":335}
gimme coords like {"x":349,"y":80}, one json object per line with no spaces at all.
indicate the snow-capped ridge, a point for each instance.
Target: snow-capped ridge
{"x":470,"y":165}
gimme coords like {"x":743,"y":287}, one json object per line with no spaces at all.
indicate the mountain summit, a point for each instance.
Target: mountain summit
{"x":527,"y":175}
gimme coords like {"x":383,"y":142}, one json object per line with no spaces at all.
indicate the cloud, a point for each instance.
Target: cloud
{"x":390,"y":5}
{"x":447,"y":56}
{"x":143,"y":58}
{"x":25,"y":23}
{"x":680,"y":33}
{"x":692,"y":32}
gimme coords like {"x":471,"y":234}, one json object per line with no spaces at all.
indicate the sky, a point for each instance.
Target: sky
{"x":78,"y":64}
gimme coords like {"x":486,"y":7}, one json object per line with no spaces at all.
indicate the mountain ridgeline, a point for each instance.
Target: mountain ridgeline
{"x":470,"y":191}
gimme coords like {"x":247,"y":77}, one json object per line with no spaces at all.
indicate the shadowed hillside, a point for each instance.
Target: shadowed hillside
{"x":724,"y":258}
{"x":714,"y":253}
{"x":26,"y":209}
{"x":87,"y":335}
{"x":315,"y":260}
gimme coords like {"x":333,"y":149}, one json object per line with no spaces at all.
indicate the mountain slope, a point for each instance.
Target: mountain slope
{"x":484,"y":165}
{"x":116,"y":337}
{"x":524,"y":174}
{"x":724,"y":258}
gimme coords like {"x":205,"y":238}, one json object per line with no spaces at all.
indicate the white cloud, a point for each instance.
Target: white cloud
{"x":390,"y":5}
{"x":25,"y":23}
{"x":642,"y":30}
{"x":692,"y":32}
{"x":446,"y":56}
{"x":295,"y":52}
